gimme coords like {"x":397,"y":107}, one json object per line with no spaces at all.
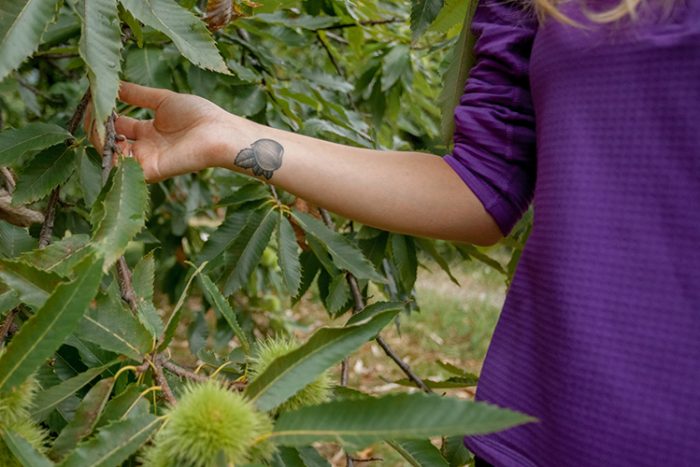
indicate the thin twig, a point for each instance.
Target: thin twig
{"x":7,"y":323}
{"x":38,"y":92}
{"x":50,"y":216}
{"x":109,"y":147}
{"x":335,"y":63}
{"x":126,"y":285}
{"x":9,"y":179}
{"x":163,"y":382}
{"x":369,"y":22}
{"x":369,"y":459}
{"x":79,"y":112}
{"x":183,"y":372}
{"x":359,"y":304}
{"x":57,"y":56}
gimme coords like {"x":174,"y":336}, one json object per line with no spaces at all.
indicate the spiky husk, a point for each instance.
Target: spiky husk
{"x":314,"y":393}
{"x":31,"y":432}
{"x":209,"y":424}
{"x":14,"y":415}
{"x":15,"y":404}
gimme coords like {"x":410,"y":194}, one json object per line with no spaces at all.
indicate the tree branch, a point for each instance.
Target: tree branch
{"x":7,"y":324}
{"x":163,"y":382}
{"x":20,"y":216}
{"x":9,"y":179}
{"x":183,"y":372}
{"x":359,"y":304}
{"x":126,"y":285}
{"x":50,"y":216}
{"x":369,"y":22}
{"x":109,"y":147}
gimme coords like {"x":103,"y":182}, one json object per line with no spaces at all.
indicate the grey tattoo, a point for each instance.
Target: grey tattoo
{"x":263,"y":157}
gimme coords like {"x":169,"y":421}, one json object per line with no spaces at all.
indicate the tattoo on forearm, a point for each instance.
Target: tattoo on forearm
{"x":263,"y":157}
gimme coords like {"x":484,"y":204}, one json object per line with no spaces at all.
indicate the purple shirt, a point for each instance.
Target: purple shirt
{"x":599,"y":337}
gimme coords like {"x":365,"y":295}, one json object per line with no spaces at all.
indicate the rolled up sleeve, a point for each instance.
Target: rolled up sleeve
{"x":494,"y":140}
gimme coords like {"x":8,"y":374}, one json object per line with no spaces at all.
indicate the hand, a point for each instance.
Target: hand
{"x":182,"y":137}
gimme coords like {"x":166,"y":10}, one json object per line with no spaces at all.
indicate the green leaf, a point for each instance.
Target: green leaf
{"x":14,"y":240}
{"x":423,"y":13}
{"x":428,"y":246}
{"x":59,"y":257}
{"x":224,"y":236}
{"x":450,"y":16}
{"x":214,"y":296}
{"x":32,"y":137}
{"x":22,"y":23}
{"x":31,"y":284}
{"x":90,"y":175}
{"x":373,"y":310}
{"x":419,"y":453}
{"x":147,"y":67}
{"x":288,"y":255}
{"x":48,"y":399}
{"x":122,"y":211}
{"x":100,"y":48}
{"x":144,"y":276}
{"x":45,"y":172}
{"x":250,"y":257}
{"x":24,"y":452}
{"x":312,"y":458}
{"x":454,"y":369}
{"x":286,"y":375}
{"x":143,"y":280}
{"x":114,"y":443}
{"x":43,"y":333}
{"x":174,"y":319}
{"x":338,"y":294}
{"x":8,"y":300}
{"x":111,"y":326}
{"x":455,"y":451}
{"x":361,"y":422}
{"x":403,"y":252}
{"x":287,"y":457}
{"x":345,"y":255}
{"x":188,"y":33}
{"x":461,"y":61}
{"x":123,"y":404}
{"x":85,"y":418}
{"x":396,"y":63}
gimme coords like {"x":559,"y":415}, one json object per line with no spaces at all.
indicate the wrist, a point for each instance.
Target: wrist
{"x":230,"y":134}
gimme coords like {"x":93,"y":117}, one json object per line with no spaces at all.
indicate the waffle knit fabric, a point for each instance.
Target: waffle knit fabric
{"x":599,"y":337}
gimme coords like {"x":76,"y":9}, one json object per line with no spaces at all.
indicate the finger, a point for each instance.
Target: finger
{"x":127,"y":126}
{"x":142,"y":96}
{"x":123,"y":148}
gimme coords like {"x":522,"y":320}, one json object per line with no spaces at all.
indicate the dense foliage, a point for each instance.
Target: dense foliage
{"x":101,"y":275}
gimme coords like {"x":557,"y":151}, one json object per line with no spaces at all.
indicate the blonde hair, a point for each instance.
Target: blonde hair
{"x":624,"y":9}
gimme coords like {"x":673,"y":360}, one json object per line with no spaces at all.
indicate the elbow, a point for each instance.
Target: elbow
{"x":489,"y":240}
{"x":487,"y":237}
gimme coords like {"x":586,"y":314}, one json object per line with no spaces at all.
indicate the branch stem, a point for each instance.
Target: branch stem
{"x":359,"y":305}
{"x":7,"y":324}
{"x":163,"y":382}
{"x":50,"y":216}
{"x":126,"y":285}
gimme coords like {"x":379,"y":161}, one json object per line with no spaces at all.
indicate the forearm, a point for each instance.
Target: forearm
{"x":407,"y":192}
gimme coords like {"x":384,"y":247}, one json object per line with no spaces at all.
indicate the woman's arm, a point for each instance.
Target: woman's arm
{"x":407,"y":192}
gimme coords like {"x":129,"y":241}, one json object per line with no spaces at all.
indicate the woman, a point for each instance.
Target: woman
{"x":599,"y":121}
